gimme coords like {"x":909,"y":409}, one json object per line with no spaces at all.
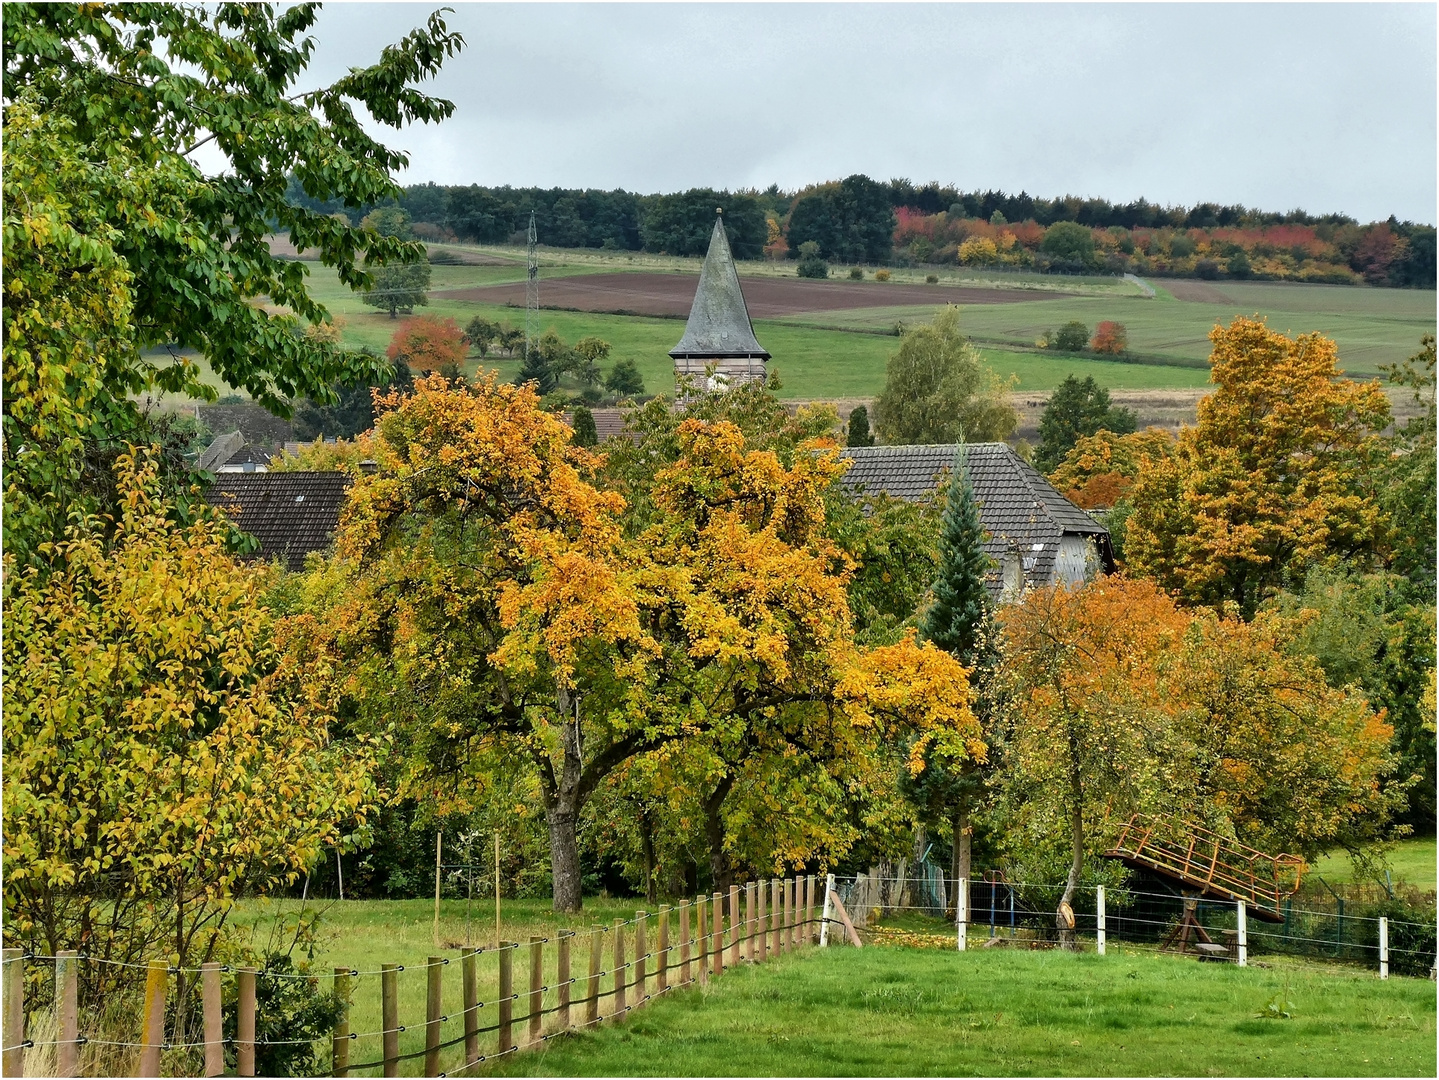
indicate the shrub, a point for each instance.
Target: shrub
{"x":1207,"y":269}
{"x":856,"y":274}
{"x":293,"y":1015}
{"x":881,"y":275}
{"x":810,"y":263}
{"x":1110,"y":338}
{"x":584,"y":427}
{"x":1071,"y":337}
{"x":931,"y":279}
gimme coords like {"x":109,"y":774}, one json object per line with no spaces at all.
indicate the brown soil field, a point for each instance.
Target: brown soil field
{"x":672,"y":294}
{"x":1196,"y":292}
{"x":280,"y":246}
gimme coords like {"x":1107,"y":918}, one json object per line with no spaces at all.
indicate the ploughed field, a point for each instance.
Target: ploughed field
{"x":672,"y":294}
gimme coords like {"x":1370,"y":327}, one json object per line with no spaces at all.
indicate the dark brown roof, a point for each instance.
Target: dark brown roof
{"x":1019,"y":509}
{"x":718,"y":325}
{"x":290,"y":513}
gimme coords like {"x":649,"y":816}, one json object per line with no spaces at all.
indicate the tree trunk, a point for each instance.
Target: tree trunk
{"x":1076,"y":838}
{"x":714,"y":833}
{"x":562,"y":815}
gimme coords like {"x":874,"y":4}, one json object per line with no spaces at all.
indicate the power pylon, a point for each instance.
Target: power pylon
{"x":532,"y":291}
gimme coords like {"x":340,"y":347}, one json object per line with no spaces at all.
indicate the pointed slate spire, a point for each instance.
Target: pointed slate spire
{"x":719,"y":326}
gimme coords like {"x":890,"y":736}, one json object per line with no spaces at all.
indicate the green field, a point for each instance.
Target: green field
{"x":1411,"y":862}
{"x":888,"y":1010}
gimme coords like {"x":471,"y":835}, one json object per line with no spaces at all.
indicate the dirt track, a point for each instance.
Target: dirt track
{"x":768,"y":298}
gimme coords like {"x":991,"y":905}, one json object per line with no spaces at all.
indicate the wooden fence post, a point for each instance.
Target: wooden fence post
{"x":761,"y":927}
{"x":785,"y":901}
{"x":619,"y":966}
{"x":641,"y":949}
{"x":470,"y":982}
{"x":807,"y":933}
{"x":563,"y":980}
{"x":213,"y":1020}
{"x":686,"y":942}
{"x":662,"y":968}
{"x":14,"y":1057}
{"x":749,"y":922}
{"x":717,"y":935}
{"x":592,"y":995}
{"x":67,"y":1015}
{"x":438,"y":837}
{"x":793,"y":913}
{"x":734,"y":926}
{"x":536,"y":1004}
{"x":153,"y":1035}
{"x":390,"y":1018}
{"x":339,"y":1040}
{"x":774,"y":915}
{"x":1240,"y":914}
{"x":827,"y":911}
{"x":433,"y":1003}
{"x":244,"y":1024}
{"x":701,"y":942}
{"x":505,"y":1040}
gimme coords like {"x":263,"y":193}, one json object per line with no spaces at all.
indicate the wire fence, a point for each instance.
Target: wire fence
{"x":1026,"y":912}
{"x":574,"y":981}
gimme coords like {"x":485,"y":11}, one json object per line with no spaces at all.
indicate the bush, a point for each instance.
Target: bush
{"x":293,"y":1016}
{"x":810,"y":263}
{"x":856,"y":274}
{"x":881,"y":275}
{"x":1110,"y":338}
{"x":931,"y":279}
{"x":1071,"y":337}
{"x":1207,"y":269}
{"x":584,"y":427}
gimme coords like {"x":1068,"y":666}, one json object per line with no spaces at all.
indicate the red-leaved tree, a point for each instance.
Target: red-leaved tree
{"x":428,"y":343}
{"x":1110,"y":337}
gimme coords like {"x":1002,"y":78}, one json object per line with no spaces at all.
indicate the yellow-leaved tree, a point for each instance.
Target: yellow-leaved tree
{"x":163,"y":757}
{"x":485,"y":604}
{"x":1280,"y":473}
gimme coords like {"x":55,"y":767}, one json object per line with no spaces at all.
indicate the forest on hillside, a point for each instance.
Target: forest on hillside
{"x":860,"y":220}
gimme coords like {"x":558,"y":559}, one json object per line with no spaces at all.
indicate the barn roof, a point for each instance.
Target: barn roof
{"x":290,"y":513}
{"x":1019,"y":509}
{"x":719,"y":325}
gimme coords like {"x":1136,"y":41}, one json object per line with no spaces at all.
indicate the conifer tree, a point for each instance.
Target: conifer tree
{"x":584,"y":427}
{"x":954,"y":621}
{"x":859,"y":433}
{"x":536,"y":369}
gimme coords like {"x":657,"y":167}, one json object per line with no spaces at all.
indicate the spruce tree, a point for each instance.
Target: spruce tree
{"x":954,"y":621}
{"x":584,"y":426}
{"x":536,"y":369}
{"x":859,"y":433}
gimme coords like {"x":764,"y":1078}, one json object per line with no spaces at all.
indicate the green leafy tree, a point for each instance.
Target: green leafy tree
{"x":624,"y":379}
{"x":1078,"y":408}
{"x":810,"y":263}
{"x":859,"y":433}
{"x":1070,"y":241}
{"x":116,"y":242}
{"x":482,"y":334}
{"x":938,"y":390}
{"x":536,"y":369}
{"x":852,"y":221}
{"x":400,"y":288}
{"x":1409,"y":493}
{"x":681,"y":224}
{"x":1073,"y":336}
{"x":388,"y":221}
{"x":353,"y":412}
{"x":584,"y":427}
{"x":590,"y":352}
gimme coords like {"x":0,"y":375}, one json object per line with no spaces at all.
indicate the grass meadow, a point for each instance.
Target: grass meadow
{"x":1410,"y":861}
{"x":887,"y":1010}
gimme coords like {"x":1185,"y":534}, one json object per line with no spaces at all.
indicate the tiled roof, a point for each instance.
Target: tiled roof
{"x":290,"y":513}
{"x":1018,"y":507}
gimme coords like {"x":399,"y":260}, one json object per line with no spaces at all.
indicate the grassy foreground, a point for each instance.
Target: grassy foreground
{"x":900,"y":1012}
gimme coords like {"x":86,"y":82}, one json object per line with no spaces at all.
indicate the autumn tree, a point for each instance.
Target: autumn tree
{"x":163,"y":757}
{"x":499,"y":606}
{"x":1279,"y":474}
{"x":1099,"y":469}
{"x":1110,"y":339}
{"x":427,"y":343}
{"x":1078,"y":407}
{"x":938,"y":390}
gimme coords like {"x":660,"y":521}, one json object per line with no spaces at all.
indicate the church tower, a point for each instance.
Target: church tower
{"x":719,"y":332}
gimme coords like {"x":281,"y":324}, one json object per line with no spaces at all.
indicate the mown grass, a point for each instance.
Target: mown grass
{"x":894,"y":1011}
{"x":901,"y":1012}
{"x":1412,"y":862}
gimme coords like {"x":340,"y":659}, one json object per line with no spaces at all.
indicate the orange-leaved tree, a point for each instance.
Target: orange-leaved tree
{"x":1101,"y":468}
{"x":1110,"y":337}
{"x":1086,"y":719}
{"x":1278,"y":475}
{"x":428,"y":343}
{"x":485,"y":601}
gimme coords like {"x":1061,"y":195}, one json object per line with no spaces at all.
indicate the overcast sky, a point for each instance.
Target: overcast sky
{"x":1329,"y":107}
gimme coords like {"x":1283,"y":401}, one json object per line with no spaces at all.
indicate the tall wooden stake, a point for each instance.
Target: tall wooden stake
{"x":717,"y":935}
{"x":390,"y":1017}
{"x":67,"y":1053}
{"x":592,"y":993}
{"x":749,"y":922}
{"x":685,"y":942}
{"x":701,"y":942}
{"x":244,"y":1024}
{"x":437,"y":889}
{"x":662,"y":967}
{"x":156,"y":980}
{"x":734,"y":926}
{"x":619,"y":966}
{"x":641,"y":949}
{"x":214,"y":1020}
{"x":497,"y":888}
{"x":14,"y":1057}
{"x":339,"y":1044}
